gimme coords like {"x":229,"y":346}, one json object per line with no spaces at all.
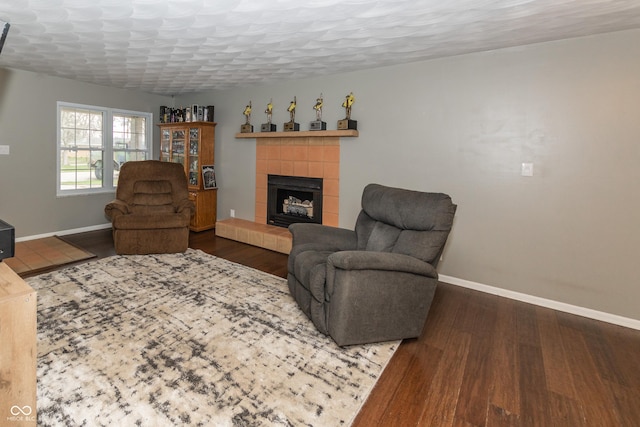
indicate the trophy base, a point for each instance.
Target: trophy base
{"x":246,"y":129}
{"x":318,"y":125}
{"x":267,"y":127}
{"x":347,"y":124}
{"x":291,"y":126}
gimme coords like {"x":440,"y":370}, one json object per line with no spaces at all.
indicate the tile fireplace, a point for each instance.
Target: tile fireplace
{"x":312,"y":158}
{"x":313,"y":155}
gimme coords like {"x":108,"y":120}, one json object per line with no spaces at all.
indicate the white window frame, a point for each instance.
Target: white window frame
{"x":107,"y":132}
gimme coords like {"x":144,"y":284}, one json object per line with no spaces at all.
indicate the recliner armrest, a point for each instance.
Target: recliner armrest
{"x":116,"y":207}
{"x":323,"y":235}
{"x":370,"y":260}
{"x":185,"y":204}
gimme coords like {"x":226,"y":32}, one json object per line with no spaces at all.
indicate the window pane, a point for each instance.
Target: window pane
{"x":68,"y":175}
{"x":82,"y":120}
{"x":96,"y":121}
{"x":76,"y":171}
{"x":97,"y":168}
{"x":129,"y":132}
{"x":67,"y":118}
{"x":120,"y":156}
{"x":96,"y":138}
{"x":129,"y":141}
{"x":82,"y":138}
{"x":91,"y":179}
{"x":83,"y":144}
{"x":67,"y":137}
{"x":116,"y":172}
{"x":76,"y":143}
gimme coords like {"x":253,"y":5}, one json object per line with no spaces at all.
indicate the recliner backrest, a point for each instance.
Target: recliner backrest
{"x":410,"y":222}
{"x":158,"y":185}
{"x":152,"y":197}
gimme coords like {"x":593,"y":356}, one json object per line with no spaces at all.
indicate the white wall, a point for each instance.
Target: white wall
{"x":28,"y":126}
{"x":463,"y":125}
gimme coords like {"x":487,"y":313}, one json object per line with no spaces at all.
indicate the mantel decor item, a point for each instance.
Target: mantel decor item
{"x":347,"y":123}
{"x":318,"y":124}
{"x":4,"y":29}
{"x":268,"y":127}
{"x":247,"y":127}
{"x":291,"y":125}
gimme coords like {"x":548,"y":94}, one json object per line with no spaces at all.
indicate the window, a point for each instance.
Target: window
{"x":88,"y":135}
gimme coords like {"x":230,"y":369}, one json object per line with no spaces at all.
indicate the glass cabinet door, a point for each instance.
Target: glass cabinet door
{"x":165,"y":145}
{"x":177,"y":146}
{"x":194,"y":157}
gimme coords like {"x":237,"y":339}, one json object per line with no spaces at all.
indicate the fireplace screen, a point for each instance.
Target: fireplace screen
{"x":293,"y":199}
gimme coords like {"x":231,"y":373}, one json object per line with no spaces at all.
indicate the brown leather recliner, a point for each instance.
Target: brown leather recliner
{"x":152,"y":210}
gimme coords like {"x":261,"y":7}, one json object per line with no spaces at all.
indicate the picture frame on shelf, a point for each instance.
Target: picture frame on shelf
{"x":208,"y":177}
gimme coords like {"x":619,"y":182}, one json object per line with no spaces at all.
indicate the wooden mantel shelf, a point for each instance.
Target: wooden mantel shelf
{"x":300,"y":134}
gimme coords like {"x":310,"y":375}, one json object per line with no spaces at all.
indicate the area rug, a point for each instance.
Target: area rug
{"x":189,"y":339}
{"x":33,"y":256}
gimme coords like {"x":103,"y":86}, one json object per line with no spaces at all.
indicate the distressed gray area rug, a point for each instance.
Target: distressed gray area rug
{"x":189,"y":339}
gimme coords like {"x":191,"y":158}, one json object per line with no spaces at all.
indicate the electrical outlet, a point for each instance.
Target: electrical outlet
{"x":4,"y":150}
{"x":232,"y":213}
{"x":527,"y":169}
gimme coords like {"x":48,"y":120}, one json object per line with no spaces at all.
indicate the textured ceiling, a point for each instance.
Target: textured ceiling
{"x":180,"y":46}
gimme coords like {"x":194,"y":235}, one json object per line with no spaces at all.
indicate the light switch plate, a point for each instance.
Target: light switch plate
{"x":527,"y":169}
{"x":4,"y":150}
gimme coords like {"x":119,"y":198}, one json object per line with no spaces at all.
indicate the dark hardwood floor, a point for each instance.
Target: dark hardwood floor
{"x":482,"y":360}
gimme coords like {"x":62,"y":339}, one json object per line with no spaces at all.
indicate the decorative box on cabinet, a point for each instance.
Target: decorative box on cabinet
{"x":17,"y":350}
{"x":192,"y":144}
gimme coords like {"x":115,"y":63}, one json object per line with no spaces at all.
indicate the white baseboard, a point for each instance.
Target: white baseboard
{"x":543,"y":302}
{"x":65,"y":232}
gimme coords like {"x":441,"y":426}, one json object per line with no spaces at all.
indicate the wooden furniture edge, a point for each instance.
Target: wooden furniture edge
{"x":350,"y":133}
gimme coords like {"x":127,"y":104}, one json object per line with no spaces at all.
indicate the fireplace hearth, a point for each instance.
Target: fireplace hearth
{"x":292,"y":199}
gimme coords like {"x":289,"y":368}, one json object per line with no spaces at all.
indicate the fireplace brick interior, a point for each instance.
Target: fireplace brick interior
{"x":316,"y":157}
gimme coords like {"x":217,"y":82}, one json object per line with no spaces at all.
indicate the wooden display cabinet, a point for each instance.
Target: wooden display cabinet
{"x":192,"y":144}
{"x":18,"y":354}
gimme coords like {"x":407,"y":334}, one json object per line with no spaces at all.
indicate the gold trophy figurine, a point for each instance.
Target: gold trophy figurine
{"x":269,"y":111}
{"x":318,"y":124}
{"x":291,"y":125}
{"x":247,"y":127}
{"x":347,"y":123}
{"x":268,"y":127}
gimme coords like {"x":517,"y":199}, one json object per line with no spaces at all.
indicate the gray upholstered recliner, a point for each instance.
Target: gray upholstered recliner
{"x":375,"y":283}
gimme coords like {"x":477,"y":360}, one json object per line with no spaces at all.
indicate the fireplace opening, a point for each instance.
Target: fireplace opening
{"x":292,"y":199}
